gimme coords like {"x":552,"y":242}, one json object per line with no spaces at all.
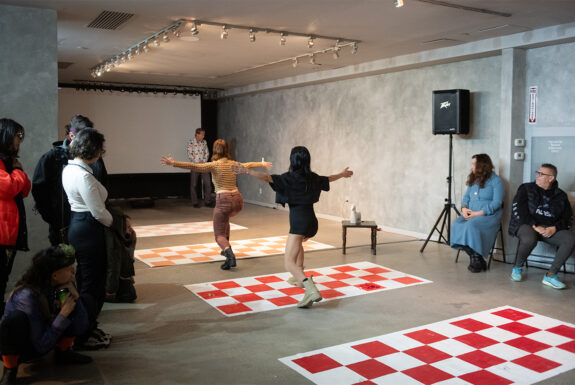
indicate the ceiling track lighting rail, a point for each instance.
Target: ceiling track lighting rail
{"x":465,"y":8}
{"x":296,"y":60}
{"x":175,"y":30}
{"x":209,"y":93}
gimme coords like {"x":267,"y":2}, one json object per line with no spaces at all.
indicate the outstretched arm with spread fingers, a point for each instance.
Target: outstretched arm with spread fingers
{"x":239,"y":169}
{"x":167,"y":160}
{"x":346,"y":173}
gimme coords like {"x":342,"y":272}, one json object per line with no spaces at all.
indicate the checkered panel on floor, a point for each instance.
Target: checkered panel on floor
{"x":499,"y":346}
{"x":179,"y":228}
{"x":210,"y":252}
{"x":271,"y":292}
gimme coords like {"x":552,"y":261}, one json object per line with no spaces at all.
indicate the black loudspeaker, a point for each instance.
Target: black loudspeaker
{"x":451,"y":112}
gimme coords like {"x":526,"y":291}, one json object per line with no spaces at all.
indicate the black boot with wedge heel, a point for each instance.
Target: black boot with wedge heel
{"x":477,"y":264}
{"x":230,"y":259}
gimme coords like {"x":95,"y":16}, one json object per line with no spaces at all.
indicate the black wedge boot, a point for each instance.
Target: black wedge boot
{"x":477,"y":264}
{"x":230,"y":259}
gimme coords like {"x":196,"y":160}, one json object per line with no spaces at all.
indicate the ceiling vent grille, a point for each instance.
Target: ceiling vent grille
{"x":110,"y":20}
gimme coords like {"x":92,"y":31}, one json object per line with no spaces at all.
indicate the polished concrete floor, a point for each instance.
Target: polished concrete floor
{"x":170,"y":336}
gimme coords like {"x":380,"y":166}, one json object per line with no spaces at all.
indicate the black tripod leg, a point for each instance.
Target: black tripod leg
{"x":443,"y":212}
{"x":445,"y":221}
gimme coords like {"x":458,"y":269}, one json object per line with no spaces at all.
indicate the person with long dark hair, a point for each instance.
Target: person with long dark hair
{"x":229,"y":200}
{"x":481,"y":207}
{"x":14,"y":187}
{"x":44,"y":313}
{"x":300,"y":188}
{"x":88,"y":218}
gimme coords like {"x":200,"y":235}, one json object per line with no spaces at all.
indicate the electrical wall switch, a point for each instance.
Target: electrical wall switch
{"x":519,"y":142}
{"x":519,"y":156}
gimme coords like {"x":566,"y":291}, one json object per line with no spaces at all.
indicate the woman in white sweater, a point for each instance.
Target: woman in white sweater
{"x":88,"y":218}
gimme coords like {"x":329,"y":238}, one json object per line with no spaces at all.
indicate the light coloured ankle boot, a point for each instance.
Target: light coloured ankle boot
{"x":311,"y":294}
{"x":294,"y":282}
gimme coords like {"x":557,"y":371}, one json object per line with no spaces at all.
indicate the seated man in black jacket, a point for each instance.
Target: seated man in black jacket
{"x":542,"y":212}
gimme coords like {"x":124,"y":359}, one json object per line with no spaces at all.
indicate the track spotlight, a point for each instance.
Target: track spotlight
{"x":354,"y":47}
{"x":294,"y":63}
{"x":194,"y":29}
{"x":165,"y":37}
{"x":282,"y":39}
{"x":156,"y":43}
{"x":145,"y":47}
{"x":398,"y":3}
{"x":312,"y":60}
{"x":336,"y":50}
{"x":310,"y":42}
{"x":224,"y":34}
{"x":252,"y":36}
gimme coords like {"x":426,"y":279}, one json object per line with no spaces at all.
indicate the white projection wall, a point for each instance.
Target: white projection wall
{"x":139,"y":128}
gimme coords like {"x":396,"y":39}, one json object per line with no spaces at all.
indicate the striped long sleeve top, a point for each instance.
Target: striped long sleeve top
{"x":222,"y":175}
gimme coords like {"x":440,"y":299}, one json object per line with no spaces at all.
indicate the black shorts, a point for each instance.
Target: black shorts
{"x":302,"y":220}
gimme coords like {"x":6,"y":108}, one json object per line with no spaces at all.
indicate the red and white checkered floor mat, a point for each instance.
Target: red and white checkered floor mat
{"x":494,"y":347}
{"x":272,"y":292}
{"x":179,"y":228}
{"x":210,"y":252}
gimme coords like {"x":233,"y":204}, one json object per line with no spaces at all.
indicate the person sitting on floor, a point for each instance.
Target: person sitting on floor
{"x":44,"y":313}
{"x":541,"y":212}
{"x":476,"y":229}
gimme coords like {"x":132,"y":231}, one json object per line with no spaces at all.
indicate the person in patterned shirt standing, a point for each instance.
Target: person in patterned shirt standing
{"x":198,"y":153}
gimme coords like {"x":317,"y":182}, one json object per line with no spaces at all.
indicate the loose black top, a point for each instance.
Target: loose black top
{"x":294,"y":188}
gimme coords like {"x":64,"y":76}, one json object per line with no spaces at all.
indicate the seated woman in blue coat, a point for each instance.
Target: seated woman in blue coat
{"x":476,"y":229}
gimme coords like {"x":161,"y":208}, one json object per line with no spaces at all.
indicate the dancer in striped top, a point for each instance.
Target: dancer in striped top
{"x":229,"y":201}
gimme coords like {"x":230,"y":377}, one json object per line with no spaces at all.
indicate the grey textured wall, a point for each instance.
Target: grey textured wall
{"x":552,"y":69}
{"x":380,"y":126}
{"x":29,"y":84}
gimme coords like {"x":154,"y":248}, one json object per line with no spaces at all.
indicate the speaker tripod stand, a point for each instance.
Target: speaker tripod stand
{"x":445,"y":216}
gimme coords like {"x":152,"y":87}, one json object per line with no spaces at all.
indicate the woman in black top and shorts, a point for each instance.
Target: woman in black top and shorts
{"x":300,"y":188}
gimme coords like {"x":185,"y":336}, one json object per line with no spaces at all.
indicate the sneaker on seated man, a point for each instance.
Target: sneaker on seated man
{"x":541,"y":212}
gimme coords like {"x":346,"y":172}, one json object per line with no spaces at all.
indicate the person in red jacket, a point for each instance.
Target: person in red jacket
{"x":14,"y":187}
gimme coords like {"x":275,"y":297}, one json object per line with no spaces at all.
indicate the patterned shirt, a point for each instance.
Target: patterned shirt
{"x":222,"y":175}
{"x":198,"y":151}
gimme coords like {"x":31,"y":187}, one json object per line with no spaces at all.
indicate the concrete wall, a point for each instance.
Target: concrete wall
{"x":551,"y":69}
{"x":29,"y":84}
{"x":380,"y":126}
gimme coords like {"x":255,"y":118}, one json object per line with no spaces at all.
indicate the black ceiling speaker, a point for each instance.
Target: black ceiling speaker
{"x":451,"y":112}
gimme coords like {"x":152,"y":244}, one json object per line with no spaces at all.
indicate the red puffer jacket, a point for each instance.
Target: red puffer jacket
{"x":11,"y":185}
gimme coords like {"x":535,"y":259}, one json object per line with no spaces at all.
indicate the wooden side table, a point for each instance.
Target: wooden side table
{"x":363,"y":224}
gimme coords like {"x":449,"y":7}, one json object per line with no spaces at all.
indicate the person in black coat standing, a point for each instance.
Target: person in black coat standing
{"x":49,"y":196}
